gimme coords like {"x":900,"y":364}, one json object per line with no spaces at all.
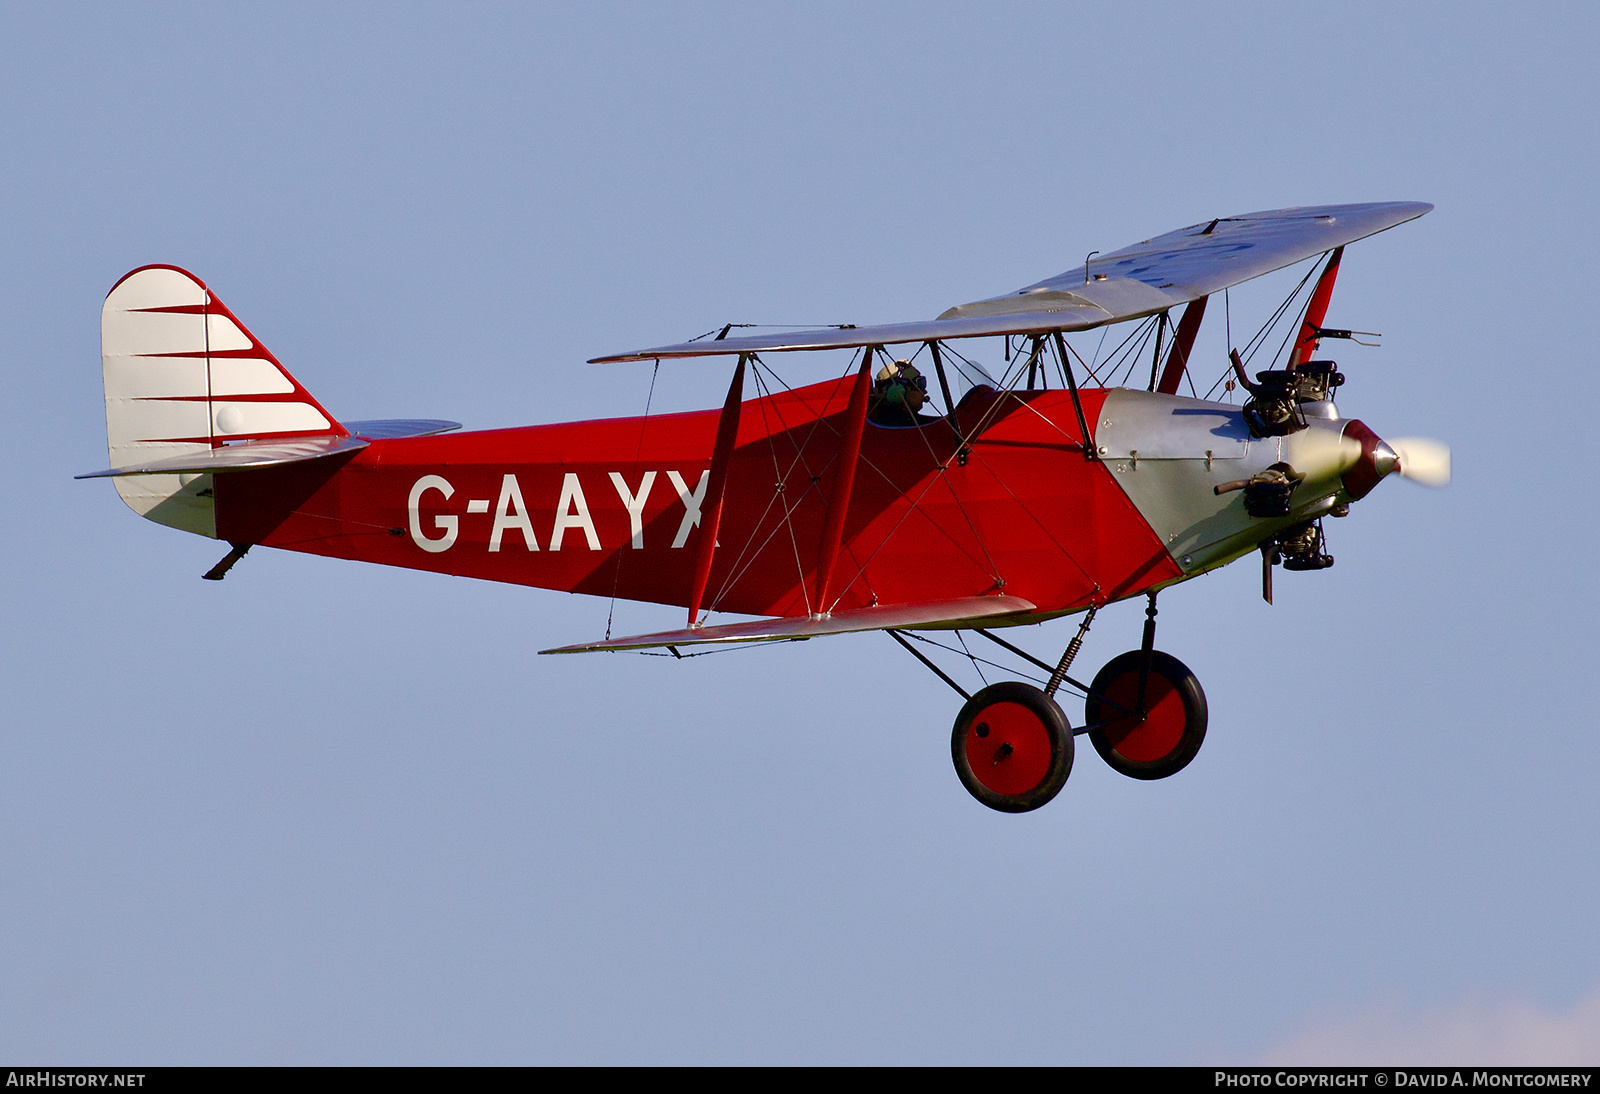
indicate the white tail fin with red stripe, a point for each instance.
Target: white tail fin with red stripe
{"x":184,"y":376}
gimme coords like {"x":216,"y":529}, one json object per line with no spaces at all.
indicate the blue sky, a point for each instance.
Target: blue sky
{"x":328,"y":813}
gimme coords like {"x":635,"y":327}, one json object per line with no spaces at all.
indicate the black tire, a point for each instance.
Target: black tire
{"x":1160,"y":745}
{"x":1012,"y":747}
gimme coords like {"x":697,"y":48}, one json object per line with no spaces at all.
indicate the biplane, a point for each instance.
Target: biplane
{"x":846,"y":505}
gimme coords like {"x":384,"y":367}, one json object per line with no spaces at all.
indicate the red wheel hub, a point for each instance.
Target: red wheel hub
{"x":1159,"y":735}
{"x":1008,"y":747}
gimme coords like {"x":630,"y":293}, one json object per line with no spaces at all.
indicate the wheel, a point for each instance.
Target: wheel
{"x":1012,"y":747}
{"x":1175,"y":722}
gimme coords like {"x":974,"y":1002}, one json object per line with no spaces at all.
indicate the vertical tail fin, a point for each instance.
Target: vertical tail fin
{"x":182,"y":374}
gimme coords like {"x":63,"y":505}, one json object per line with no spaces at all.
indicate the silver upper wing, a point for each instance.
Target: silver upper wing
{"x":1146,"y":278}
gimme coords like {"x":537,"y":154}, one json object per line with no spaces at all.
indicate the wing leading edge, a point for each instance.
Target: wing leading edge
{"x":1143,"y":279}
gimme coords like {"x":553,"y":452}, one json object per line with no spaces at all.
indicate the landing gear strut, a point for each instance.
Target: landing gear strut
{"x":1012,"y":744}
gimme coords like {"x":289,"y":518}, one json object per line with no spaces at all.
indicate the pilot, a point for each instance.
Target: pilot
{"x":898,"y":394}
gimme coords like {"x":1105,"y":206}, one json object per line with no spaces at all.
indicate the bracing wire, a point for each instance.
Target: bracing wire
{"x":1258,"y":340}
{"x":616,"y":581}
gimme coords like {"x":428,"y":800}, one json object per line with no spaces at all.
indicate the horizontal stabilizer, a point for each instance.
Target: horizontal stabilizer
{"x":1148,"y":277}
{"x":391,"y":428}
{"x":933,"y":614}
{"x":245,"y":456}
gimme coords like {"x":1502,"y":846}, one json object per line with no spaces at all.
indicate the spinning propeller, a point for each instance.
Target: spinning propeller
{"x":1327,"y":459}
{"x":1423,"y":459}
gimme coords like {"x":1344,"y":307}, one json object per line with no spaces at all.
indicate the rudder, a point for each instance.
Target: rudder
{"x":183,"y":375}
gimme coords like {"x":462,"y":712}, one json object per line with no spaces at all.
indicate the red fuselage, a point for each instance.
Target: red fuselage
{"x":612,"y":508}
